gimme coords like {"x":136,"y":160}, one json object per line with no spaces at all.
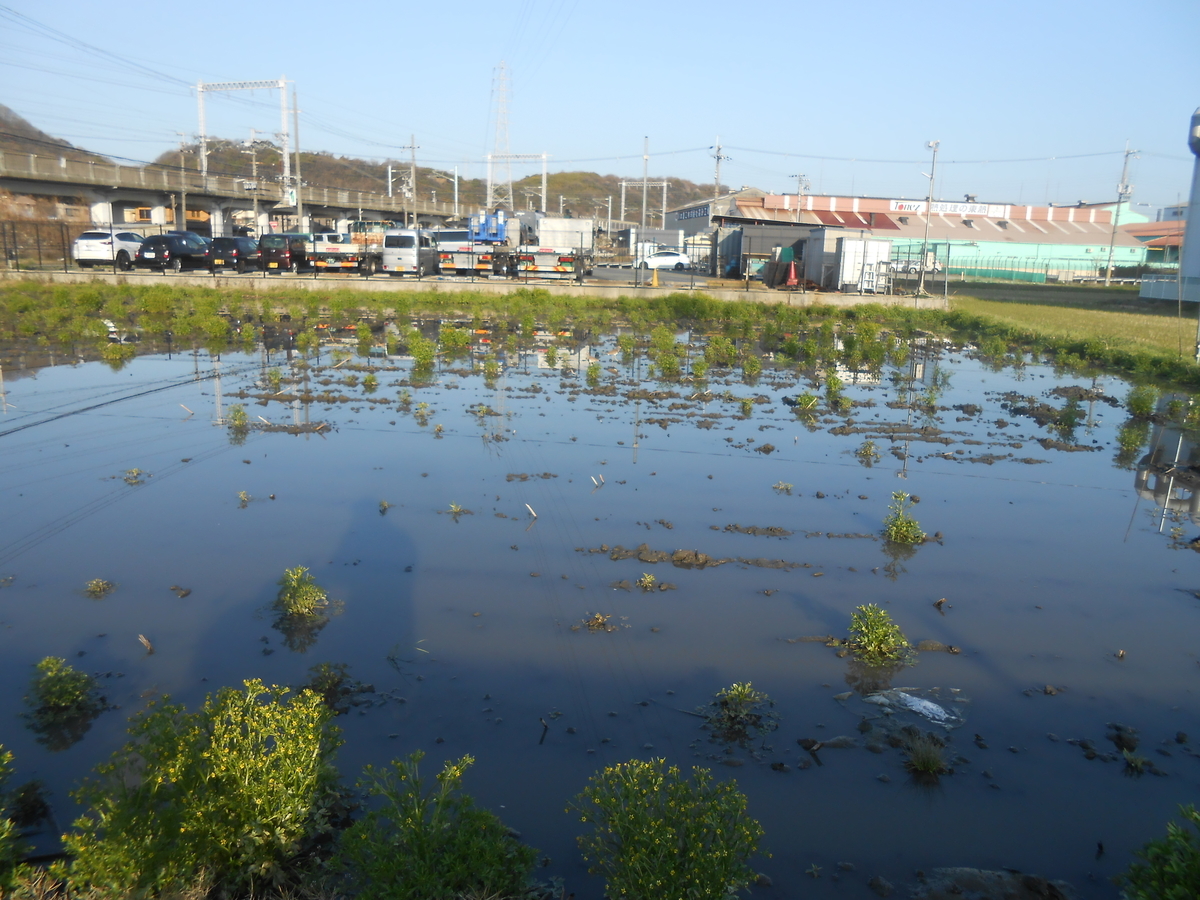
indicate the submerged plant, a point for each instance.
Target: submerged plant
{"x":62,"y":703}
{"x":782,"y":487}
{"x":431,"y":844}
{"x":134,"y":477}
{"x":599,"y":622}
{"x":646,"y":582}
{"x":924,"y":755}
{"x":875,"y":638}
{"x":739,"y":714}
{"x":370,"y":383}
{"x":58,"y":687}
{"x":1141,"y":401}
{"x":899,"y":526}
{"x":237,"y":418}
{"x":244,"y":499}
{"x":1134,"y":763}
{"x":867,"y":453}
{"x":384,"y":506}
{"x":299,"y":594}
{"x":659,"y":833}
{"x":98,"y":588}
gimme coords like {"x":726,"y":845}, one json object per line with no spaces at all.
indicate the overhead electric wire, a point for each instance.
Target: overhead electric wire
{"x":909,"y":162}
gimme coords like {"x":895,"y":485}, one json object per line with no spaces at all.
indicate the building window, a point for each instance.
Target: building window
{"x":1002,"y":224}
{"x":970,"y":223}
{"x":904,"y":220}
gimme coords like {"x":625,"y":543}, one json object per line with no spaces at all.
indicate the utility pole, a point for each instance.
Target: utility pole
{"x":1124,"y":191}
{"x":717,"y":175}
{"x":412,"y":173}
{"x":389,"y":181}
{"x":181,"y":219}
{"x":932,"y":145}
{"x":203,"y":137}
{"x":609,"y":229}
{"x":645,"y":177}
{"x":299,"y":183}
{"x":254,"y":175}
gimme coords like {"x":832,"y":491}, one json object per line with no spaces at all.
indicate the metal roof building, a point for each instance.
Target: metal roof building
{"x":1033,"y":243}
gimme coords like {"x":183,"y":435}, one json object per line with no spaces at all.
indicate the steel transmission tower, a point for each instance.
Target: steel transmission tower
{"x":499,"y":189}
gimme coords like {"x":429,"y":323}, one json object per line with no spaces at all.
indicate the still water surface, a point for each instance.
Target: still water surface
{"x":469,"y":626}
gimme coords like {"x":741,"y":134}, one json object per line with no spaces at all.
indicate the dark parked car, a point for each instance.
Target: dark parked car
{"x":176,"y":251}
{"x":284,"y":252}
{"x":236,"y":253}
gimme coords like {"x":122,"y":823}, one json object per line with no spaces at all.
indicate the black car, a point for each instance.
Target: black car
{"x":176,"y":251}
{"x":236,"y":253}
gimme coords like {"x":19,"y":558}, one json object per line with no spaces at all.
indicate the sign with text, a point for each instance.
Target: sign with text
{"x":950,"y":209}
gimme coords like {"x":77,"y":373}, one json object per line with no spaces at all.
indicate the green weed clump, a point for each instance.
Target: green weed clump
{"x":11,"y":847}
{"x":59,"y":688}
{"x":658,"y":833}
{"x":751,"y":366}
{"x":423,"y":350}
{"x":1168,"y":868}
{"x":299,"y":594}
{"x":875,"y":638}
{"x":237,"y":418}
{"x":436,"y":844}
{"x":739,"y":714}
{"x":720,"y":351}
{"x":899,"y":526}
{"x":454,"y":339}
{"x":233,"y":799}
{"x":1142,"y":401}
{"x":924,"y":755}
{"x":99,"y":588}
{"x":867,"y":453}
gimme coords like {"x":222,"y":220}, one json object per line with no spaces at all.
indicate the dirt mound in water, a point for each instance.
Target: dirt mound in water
{"x":767,"y":531}
{"x":980,"y":884}
{"x":689,"y":559}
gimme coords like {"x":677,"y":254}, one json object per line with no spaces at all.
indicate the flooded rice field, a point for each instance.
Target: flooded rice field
{"x":549,"y":558}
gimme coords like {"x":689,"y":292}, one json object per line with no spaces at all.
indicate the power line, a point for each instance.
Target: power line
{"x":909,"y":162}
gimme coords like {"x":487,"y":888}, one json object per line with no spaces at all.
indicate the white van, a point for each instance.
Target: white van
{"x":409,"y":251}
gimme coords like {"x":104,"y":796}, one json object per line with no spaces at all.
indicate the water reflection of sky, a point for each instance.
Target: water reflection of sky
{"x":1049,"y":569}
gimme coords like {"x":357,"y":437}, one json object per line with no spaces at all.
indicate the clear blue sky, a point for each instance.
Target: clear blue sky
{"x":846,"y":94}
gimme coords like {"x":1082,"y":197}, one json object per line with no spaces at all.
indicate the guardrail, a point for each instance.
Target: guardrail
{"x":164,"y":179}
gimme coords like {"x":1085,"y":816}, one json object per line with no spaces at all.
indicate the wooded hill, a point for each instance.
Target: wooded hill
{"x":19,"y":136}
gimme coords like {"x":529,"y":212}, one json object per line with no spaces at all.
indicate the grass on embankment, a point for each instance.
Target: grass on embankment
{"x":1131,"y":331}
{"x":1110,"y":327}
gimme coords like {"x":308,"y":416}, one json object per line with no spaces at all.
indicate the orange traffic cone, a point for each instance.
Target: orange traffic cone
{"x":792,"y":280}
{"x":654,"y":278}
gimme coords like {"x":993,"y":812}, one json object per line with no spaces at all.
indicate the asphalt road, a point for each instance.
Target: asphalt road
{"x":642,"y":276}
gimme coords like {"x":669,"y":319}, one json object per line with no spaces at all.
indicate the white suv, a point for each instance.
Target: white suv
{"x":106,"y":248}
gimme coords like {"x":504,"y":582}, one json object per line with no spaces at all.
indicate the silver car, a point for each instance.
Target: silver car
{"x":106,"y":248}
